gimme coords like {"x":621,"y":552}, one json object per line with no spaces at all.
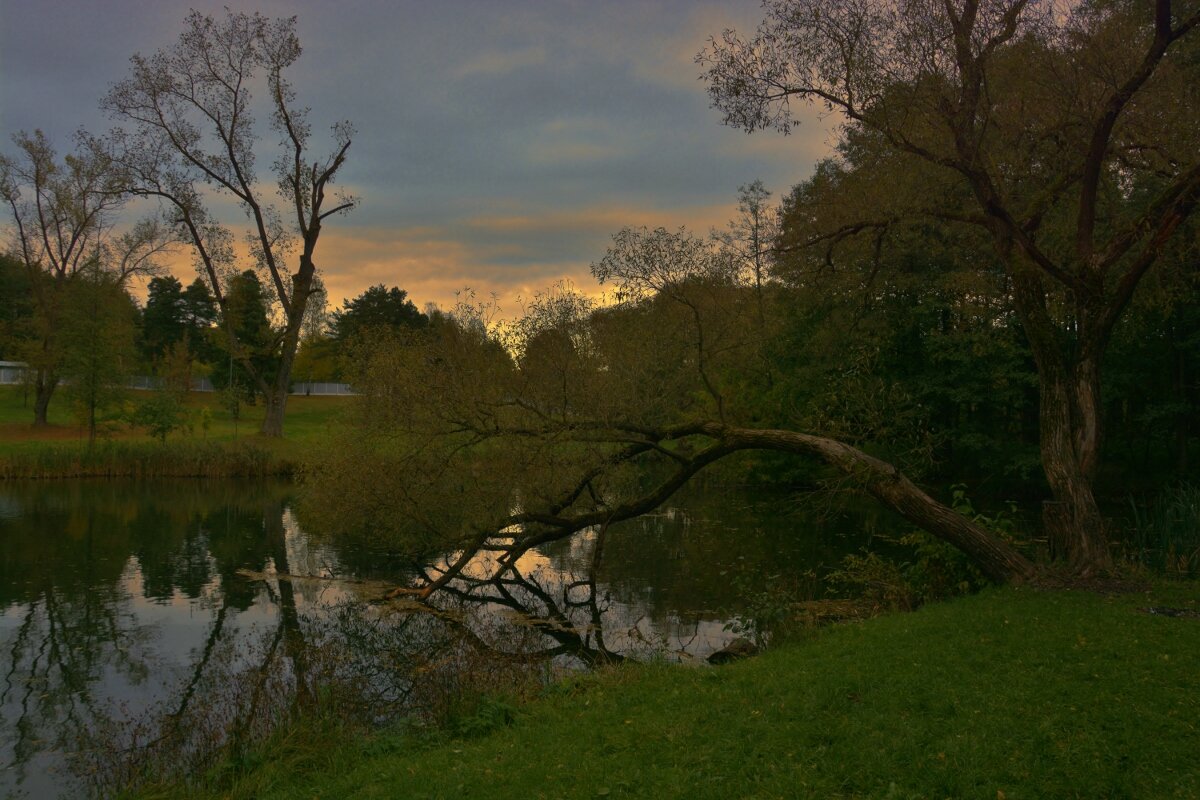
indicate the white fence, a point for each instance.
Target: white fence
{"x":340,"y":389}
{"x":151,"y":382}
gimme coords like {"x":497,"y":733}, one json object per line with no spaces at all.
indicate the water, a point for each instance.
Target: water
{"x":136,"y":616}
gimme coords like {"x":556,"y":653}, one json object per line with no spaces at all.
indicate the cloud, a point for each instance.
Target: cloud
{"x":509,"y":255}
{"x":500,"y":144}
{"x":497,"y":63}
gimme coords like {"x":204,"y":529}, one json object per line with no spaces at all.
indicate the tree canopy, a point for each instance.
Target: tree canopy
{"x":376,"y":308}
{"x":1066,"y":136}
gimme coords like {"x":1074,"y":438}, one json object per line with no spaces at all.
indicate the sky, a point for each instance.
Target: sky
{"x":499,"y":144}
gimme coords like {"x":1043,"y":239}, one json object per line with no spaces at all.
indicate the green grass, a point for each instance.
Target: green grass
{"x":228,"y":447}
{"x":1007,"y":694}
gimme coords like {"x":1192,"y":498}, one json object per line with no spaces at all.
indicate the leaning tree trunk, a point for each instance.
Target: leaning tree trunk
{"x":995,"y":557}
{"x":998,"y":559}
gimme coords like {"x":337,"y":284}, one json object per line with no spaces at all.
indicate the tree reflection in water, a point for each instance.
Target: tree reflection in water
{"x":147,"y":628}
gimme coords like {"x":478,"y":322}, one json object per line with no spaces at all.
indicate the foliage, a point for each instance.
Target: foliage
{"x":162,"y":317}
{"x":770,"y":614}
{"x":1165,"y":533}
{"x":62,"y":212}
{"x":934,"y":571}
{"x":946,"y":131}
{"x":161,"y":415}
{"x":16,"y":312}
{"x":1153,"y":396}
{"x":572,"y":417}
{"x":318,"y":360}
{"x":247,"y":322}
{"x":378,"y":307}
{"x":96,"y":337}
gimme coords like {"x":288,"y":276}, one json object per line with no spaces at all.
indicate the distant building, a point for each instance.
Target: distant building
{"x":12,"y":372}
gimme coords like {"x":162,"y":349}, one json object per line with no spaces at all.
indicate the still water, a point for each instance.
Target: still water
{"x":143,"y":620}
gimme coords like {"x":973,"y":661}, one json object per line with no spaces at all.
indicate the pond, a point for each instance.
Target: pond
{"x":142,"y":622}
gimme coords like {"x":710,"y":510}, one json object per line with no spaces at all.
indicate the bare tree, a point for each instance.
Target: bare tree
{"x":63,"y":215}
{"x":1068,"y":134}
{"x":192,"y":132}
{"x":751,"y":236}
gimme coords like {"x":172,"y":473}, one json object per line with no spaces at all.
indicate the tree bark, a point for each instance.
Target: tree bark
{"x":995,"y":557}
{"x":1069,"y":422}
{"x":277,"y":396}
{"x":276,"y":404}
{"x":43,"y":389}
{"x":1070,"y":438}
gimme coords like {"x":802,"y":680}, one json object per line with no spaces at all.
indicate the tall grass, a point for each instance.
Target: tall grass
{"x":141,"y":459}
{"x":1165,"y":534}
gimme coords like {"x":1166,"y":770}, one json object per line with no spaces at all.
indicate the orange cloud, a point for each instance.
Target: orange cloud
{"x":497,"y":253}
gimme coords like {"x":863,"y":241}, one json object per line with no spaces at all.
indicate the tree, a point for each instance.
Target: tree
{"x":248,"y":324}
{"x":175,"y":318}
{"x":1068,"y":136}
{"x":199,"y":316}
{"x":752,"y":235}
{"x":600,"y":416}
{"x":97,"y":341}
{"x":62,"y":215}
{"x":163,"y":318}
{"x":16,"y":312}
{"x":376,"y":308}
{"x":192,"y":130}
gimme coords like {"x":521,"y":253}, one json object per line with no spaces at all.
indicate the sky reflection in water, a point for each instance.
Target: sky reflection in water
{"x":131,"y":610}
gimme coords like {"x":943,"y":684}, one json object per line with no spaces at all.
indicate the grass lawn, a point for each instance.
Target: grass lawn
{"x":1013,"y":693}
{"x":308,"y":421}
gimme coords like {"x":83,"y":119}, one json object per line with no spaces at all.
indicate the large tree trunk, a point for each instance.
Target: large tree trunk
{"x":1070,"y":439}
{"x":276,"y":404}
{"x":276,"y":398}
{"x":43,"y":389}
{"x":1069,"y":423}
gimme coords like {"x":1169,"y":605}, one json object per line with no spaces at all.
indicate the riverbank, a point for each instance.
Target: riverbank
{"x":1012,"y":693}
{"x":211,"y":443}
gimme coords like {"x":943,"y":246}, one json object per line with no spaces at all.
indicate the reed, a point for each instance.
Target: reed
{"x":1165,"y":534}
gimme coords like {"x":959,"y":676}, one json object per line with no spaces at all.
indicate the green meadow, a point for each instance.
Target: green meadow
{"x":1012,"y":693}
{"x":211,"y":442}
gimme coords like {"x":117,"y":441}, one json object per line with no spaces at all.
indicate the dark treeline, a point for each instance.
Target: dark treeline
{"x":917,"y":345}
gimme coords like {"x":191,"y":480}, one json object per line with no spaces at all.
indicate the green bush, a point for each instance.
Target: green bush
{"x":935,"y":570}
{"x":161,"y":415}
